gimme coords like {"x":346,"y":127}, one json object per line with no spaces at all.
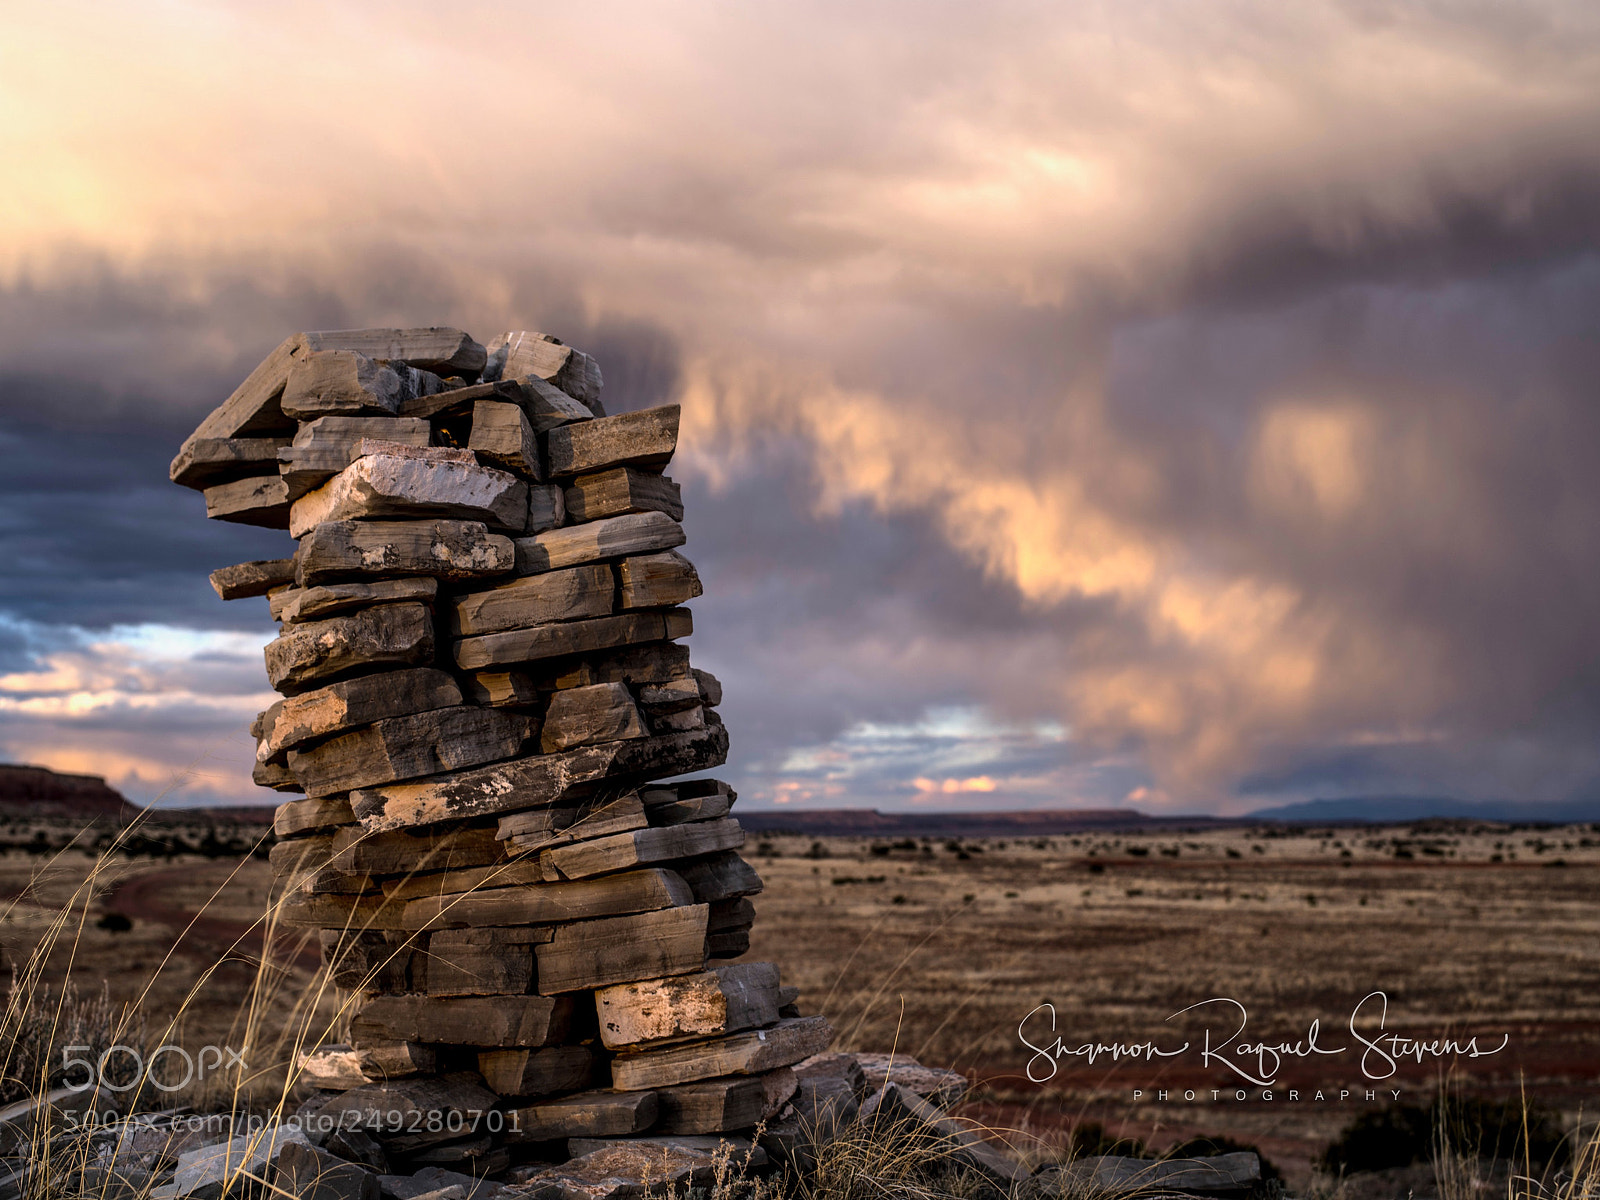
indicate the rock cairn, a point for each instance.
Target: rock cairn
{"x":483,"y":681}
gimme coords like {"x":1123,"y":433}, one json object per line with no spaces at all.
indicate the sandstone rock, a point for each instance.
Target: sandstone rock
{"x":258,"y":500}
{"x":561,"y":638}
{"x":436,"y":348}
{"x":502,"y":436}
{"x":622,"y":490}
{"x":603,"y":712}
{"x":361,"y":701}
{"x":657,"y":580}
{"x":708,"y":1004}
{"x":321,"y":651}
{"x":587,"y":1114}
{"x":613,"y":537}
{"x":209,"y":461}
{"x":621,"y":851}
{"x":646,"y":438}
{"x":934,"y":1084}
{"x":592,"y":954}
{"x":521,"y":355}
{"x":750,"y":1053}
{"x":346,"y":383}
{"x":252,"y":578}
{"x":306,"y":816}
{"x":450,"y":550}
{"x":566,"y":595}
{"x":410,"y":747}
{"x":425,"y":483}
{"x":294,"y":606}
{"x":508,"y":1021}
{"x":535,"y":781}
{"x":546,"y":903}
{"x":720,"y":877}
{"x":536,"y":1072}
{"x":324,"y":447}
{"x":718,"y":1105}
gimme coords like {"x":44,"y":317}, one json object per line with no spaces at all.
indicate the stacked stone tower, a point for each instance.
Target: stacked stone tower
{"x":484,"y":685}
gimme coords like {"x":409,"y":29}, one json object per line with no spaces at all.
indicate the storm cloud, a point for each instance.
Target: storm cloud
{"x":1187,"y":406}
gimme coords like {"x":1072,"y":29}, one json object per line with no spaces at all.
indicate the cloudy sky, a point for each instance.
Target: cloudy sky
{"x":1188,"y":406}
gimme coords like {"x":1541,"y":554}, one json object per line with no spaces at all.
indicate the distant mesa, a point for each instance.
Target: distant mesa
{"x":40,"y":792}
{"x":1378,"y":810}
{"x":1045,"y":822}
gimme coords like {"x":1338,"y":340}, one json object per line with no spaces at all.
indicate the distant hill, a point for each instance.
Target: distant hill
{"x":40,"y":792}
{"x":869,"y":822}
{"x":1379,"y":809}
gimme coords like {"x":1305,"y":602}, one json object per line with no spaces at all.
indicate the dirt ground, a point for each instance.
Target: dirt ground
{"x":944,"y":949}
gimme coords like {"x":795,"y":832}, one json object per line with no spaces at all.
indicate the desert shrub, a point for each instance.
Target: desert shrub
{"x":1402,"y":1134}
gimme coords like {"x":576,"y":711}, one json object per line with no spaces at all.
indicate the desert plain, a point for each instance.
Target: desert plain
{"x":948,"y":950}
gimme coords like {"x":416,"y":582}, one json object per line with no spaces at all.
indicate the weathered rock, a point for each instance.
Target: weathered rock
{"x":436,"y":348}
{"x":566,"y":595}
{"x":501,"y":435}
{"x":407,"y":1107}
{"x":210,"y":461}
{"x":255,"y":406}
{"x":720,"y":877}
{"x":622,"y":490}
{"x":934,"y":1084}
{"x":824,"y":1105}
{"x":750,"y":1053}
{"x":522,"y":355}
{"x":404,"y":851}
{"x":258,"y":500}
{"x":718,"y":1105}
{"x":355,"y":1146}
{"x":593,"y":954}
{"x":536,"y":1072}
{"x":307,"y":1173}
{"x":896,"y":1108}
{"x":306,"y":816}
{"x":209,"y":1170}
{"x":562,"y":638}
{"x":361,"y":701}
{"x":676,"y":695}
{"x":536,"y":781}
{"x":294,"y":605}
{"x":483,"y":962}
{"x":506,"y":873}
{"x":326,"y":446}
{"x":364,"y":960}
{"x":321,"y":651}
{"x":496,"y":689}
{"x":619,"y":1172}
{"x":709,"y":1004}
{"x":646,"y":438}
{"x":621,"y":851}
{"x":657,"y":580}
{"x":415,"y":483}
{"x":613,"y":537}
{"x":541,"y":827}
{"x":696,"y":808}
{"x":252,"y":578}
{"x":603,"y":712}
{"x":451,"y":550}
{"x":346,"y":383}
{"x":710,"y":687}
{"x":410,"y":747}
{"x":546,"y":903}
{"x":587,"y":1114}
{"x":465,"y":1021}
{"x":681,"y":721}
{"x":327,"y":910}
{"x":547,"y":507}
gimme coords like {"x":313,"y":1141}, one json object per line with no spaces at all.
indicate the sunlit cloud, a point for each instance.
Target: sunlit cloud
{"x":1229,"y":359}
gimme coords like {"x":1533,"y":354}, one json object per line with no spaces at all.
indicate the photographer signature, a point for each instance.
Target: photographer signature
{"x":1256,"y":1062}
